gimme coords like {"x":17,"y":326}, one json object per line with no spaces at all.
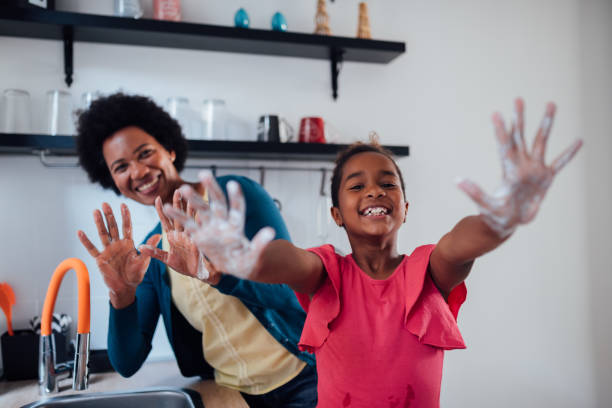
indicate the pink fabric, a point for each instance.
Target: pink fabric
{"x":379,"y":342}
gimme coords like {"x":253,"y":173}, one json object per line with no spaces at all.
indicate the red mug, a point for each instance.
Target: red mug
{"x":312,"y":130}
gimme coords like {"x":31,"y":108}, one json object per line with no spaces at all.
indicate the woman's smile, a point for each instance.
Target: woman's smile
{"x":149,"y":187}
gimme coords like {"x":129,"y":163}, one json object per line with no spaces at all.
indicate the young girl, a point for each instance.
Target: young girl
{"x":378,"y":321}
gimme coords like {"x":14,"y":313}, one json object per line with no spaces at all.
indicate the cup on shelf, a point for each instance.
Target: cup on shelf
{"x":214,"y":118}
{"x":88,"y":97}
{"x":128,"y":8}
{"x":16,"y":111}
{"x":60,"y":119}
{"x":180,"y":109}
{"x":272,"y":128}
{"x":167,"y":10}
{"x":312,"y":130}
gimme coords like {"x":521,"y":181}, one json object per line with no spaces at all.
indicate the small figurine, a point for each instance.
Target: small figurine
{"x":322,"y":19}
{"x":278,"y":22}
{"x":241,"y":18}
{"x":363,"y":30}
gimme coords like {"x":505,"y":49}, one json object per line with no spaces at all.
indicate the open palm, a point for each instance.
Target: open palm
{"x":219,"y":232}
{"x":183,"y":255}
{"x":526,"y":176}
{"x":121,"y":266}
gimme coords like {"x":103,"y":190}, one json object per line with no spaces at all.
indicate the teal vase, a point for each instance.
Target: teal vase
{"x":278,"y":22}
{"x":241,"y":18}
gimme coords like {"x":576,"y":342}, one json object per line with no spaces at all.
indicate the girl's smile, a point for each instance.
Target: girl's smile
{"x":375,"y":211}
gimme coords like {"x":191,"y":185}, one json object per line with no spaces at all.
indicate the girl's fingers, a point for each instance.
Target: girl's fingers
{"x":202,"y":217}
{"x":113,"y":230}
{"x":102,"y":231}
{"x":126,"y":222}
{"x":539,"y":143}
{"x":193,"y":198}
{"x":237,"y":205}
{"x":177,"y":203}
{"x":507,"y":148}
{"x":165,"y":221}
{"x":566,"y":156}
{"x":261,"y":239}
{"x":93,"y":251}
{"x":518,"y":135}
{"x":179,"y":216}
{"x":216,"y":198}
{"x":191,"y":212}
{"x":475,"y":193}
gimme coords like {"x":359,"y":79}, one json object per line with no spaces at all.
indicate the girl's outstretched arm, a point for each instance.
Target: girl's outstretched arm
{"x":526,"y":179}
{"x":218,"y":232}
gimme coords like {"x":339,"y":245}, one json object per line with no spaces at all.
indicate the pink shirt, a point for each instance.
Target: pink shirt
{"x":379,"y":342}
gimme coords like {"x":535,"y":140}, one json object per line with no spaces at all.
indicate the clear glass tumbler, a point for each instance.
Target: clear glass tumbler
{"x":16,"y":111}
{"x":128,"y":8}
{"x":60,"y":119}
{"x":214,"y":115}
{"x":180,"y":109}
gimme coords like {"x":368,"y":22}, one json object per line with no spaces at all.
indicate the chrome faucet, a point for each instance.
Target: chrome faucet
{"x":49,"y":373}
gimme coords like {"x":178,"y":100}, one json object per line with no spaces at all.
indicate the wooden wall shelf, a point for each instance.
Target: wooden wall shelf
{"x":65,"y":145}
{"x":69,"y":27}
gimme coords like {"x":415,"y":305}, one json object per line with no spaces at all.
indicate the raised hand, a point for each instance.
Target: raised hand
{"x":526,"y":177}
{"x":122,"y":267}
{"x":183,"y":255}
{"x":219,"y":232}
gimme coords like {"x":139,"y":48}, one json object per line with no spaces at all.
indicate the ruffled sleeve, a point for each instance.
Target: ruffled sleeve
{"x":428,"y":316}
{"x":324,"y":306}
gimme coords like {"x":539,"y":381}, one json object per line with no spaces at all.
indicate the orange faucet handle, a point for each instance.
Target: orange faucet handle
{"x":83,"y":296}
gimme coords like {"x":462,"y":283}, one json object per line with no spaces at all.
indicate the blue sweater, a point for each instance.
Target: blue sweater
{"x":131,"y":329}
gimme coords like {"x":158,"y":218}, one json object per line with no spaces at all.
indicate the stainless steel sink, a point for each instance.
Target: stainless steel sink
{"x":149,"y":398}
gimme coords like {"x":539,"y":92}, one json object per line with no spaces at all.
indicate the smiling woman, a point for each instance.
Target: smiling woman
{"x":242,"y":334}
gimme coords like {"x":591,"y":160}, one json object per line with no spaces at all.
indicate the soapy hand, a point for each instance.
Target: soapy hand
{"x":183,"y":255}
{"x":122,"y":267}
{"x":526,"y":177}
{"x":219,"y":232}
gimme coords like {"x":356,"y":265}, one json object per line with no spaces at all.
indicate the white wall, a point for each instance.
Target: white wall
{"x":537,"y":321}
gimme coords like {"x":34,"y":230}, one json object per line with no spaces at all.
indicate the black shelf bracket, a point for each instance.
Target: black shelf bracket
{"x":336,"y":58}
{"x":68,"y":36}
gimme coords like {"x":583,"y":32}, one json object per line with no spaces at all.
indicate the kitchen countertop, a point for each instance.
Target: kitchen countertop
{"x":14,"y":394}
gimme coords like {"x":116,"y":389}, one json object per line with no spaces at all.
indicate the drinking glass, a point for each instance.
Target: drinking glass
{"x":16,"y":111}
{"x":180,"y":109}
{"x":214,"y":115}
{"x":60,"y":120}
{"x":128,"y":8}
{"x":88,"y":97}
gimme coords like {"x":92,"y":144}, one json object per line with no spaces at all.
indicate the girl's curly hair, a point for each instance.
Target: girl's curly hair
{"x":356,"y":148}
{"x":109,"y":114}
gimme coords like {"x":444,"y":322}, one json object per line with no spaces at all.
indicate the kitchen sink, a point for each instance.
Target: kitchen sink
{"x":148,"y":397}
